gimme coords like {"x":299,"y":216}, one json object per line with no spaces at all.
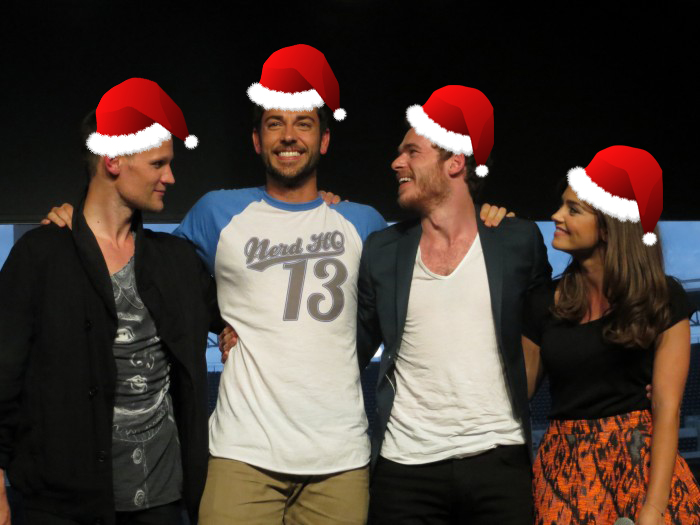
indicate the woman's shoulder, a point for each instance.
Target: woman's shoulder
{"x":678,"y":300}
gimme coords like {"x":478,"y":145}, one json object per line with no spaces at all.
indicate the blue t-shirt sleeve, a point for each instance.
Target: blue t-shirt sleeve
{"x":212,"y":213}
{"x":365,"y":218}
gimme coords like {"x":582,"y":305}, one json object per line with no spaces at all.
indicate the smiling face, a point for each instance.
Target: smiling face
{"x":290,"y":144}
{"x":143,"y":177}
{"x":577,"y":230}
{"x":421,"y":174}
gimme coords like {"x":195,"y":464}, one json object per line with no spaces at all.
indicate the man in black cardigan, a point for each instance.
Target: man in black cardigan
{"x":103,"y":329}
{"x":444,"y":294}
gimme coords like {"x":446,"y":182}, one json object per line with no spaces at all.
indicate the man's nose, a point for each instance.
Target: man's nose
{"x":289,"y":135}
{"x":398,"y":163}
{"x":168,"y":176}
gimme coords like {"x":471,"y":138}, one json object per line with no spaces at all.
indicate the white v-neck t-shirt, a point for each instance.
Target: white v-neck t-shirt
{"x":451,"y":397}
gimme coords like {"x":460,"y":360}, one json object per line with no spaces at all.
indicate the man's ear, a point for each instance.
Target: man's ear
{"x":325,"y":141}
{"x":112,"y":165}
{"x":457,"y":164}
{"x":256,"y":141}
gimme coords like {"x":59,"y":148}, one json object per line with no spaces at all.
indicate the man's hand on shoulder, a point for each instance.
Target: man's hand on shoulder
{"x":61,"y":217}
{"x":328,"y":197}
{"x":493,"y":215}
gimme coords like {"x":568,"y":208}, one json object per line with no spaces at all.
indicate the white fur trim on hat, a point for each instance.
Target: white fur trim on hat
{"x":114,"y":145}
{"x":649,"y":239}
{"x":431,"y":130}
{"x":590,"y":192}
{"x":271,"y":99}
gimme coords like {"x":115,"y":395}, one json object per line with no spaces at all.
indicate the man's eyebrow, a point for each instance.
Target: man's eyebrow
{"x":404,"y":147}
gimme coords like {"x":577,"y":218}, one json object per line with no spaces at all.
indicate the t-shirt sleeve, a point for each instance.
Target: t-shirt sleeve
{"x":365,"y":218}
{"x":536,"y":311}
{"x":679,"y":302}
{"x":198,"y":227}
{"x":212,"y":213}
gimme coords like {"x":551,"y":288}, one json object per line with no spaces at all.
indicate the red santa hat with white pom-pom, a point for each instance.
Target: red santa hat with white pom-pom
{"x":135,"y":116}
{"x":458,"y":119}
{"x":624,"y":183}
{"x":297,"y":78}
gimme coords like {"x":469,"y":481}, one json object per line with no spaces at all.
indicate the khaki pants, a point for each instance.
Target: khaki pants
{"x":238,"y":493}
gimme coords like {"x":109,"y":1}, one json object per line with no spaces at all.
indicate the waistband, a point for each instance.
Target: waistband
{"x":639,"y":419}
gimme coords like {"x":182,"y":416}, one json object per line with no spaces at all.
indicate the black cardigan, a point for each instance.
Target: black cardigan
{"x":57,"y":371}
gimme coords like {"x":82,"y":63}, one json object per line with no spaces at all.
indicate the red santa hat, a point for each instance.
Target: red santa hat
{"x":458,"y":119}
{"x":297,"y":78}
{"x":134,"y":116}
{"x":624,"y":183}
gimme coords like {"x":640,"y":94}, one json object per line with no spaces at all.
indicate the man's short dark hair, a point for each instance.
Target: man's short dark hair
{"x":90,"y":160}
{"x":324,"y":117}
{"x":474,"y":182}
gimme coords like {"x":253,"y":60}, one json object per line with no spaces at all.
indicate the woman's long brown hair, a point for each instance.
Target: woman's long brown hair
{"x":634,"y":283}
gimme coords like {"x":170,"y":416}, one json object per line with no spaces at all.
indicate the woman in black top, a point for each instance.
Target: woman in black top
{"x":612,"y":324}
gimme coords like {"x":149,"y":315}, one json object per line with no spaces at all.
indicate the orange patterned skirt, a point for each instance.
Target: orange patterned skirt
{"x":594,"y":471}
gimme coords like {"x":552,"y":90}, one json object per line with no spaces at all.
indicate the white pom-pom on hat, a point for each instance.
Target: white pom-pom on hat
{"x":191,"y":142}
{"x":482,"y":170}
{"x":649,"y":239}
{"x":339,"y":114}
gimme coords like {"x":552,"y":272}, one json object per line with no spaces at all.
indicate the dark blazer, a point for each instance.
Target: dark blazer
{"x":57,"y":372}
{"x":516,"y":261}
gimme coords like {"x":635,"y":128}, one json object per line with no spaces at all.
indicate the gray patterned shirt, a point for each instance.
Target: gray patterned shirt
{"x":147,"y":468}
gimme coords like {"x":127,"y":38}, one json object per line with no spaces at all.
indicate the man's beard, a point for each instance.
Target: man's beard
{"x":431,"y":190}
{"x":292,"y":180}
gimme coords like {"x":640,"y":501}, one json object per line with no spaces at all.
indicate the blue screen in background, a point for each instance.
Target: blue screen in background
{"x":680,"y":241}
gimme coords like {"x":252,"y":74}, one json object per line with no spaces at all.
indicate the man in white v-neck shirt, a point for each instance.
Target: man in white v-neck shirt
{"x":444,"y":294}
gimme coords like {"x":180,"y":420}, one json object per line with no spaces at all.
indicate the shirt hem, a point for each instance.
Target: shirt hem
{"x":282,"y":470}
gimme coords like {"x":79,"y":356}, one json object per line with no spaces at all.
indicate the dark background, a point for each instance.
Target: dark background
{"x":565,"y":82}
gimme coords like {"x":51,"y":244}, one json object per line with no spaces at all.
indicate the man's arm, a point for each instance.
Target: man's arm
{"x":4,"y":504}
{"x":208,"y":288}
{"x":533,"y":366}
{"x":368,"y":332}
{"x":541,"y":274}
{"x":16,"y":325}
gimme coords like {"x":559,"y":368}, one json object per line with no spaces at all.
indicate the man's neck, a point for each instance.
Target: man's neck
{"x":307,"y":192}
{"x":450,"y":222}
{"x":107,"y":216}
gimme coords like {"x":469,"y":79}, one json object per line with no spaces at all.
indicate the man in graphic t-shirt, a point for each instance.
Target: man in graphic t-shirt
{"x":288,"y":438}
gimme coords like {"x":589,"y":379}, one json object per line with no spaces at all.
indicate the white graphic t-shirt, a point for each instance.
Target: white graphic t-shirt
{"x":290,"y":398}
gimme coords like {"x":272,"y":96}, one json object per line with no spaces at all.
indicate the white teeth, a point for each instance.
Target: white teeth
{"x":289,"y":154}
{"x":404,"y":179}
